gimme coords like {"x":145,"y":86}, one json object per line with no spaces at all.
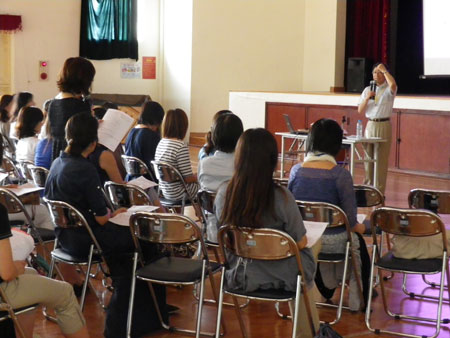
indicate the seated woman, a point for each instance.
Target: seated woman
{"x":214,"y":170}
{"x":173,"y":150}
{"x":6,"y":105}
{"x":319,"y":179}
{"x":29,"y":124}
{"x":20,"y":100}
{"x":23,"y":287}
{"x":208,"y":149}
{"x":144,"y":137}
{"x":252,"y":199}
{"x":43,"y":154}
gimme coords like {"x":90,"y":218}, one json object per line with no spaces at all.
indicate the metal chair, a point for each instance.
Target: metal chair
{"x":136,"y":167}
{"x":267,"y":245}
{"x":206,"y":201}
{"x":39,"y":175}
{"x":281,"y":181}
{"x":413,"y":223}
{"x":437,"y":201}
{"x":65,"y":216}
{"x":9,"y":147}
{"x":125,"y":195}
{"x":169,"y":229}
{"x":335,"y":217}
{"x":14,"y":174}
{"x":167,"y":173}
{"x":24,"y":166}
{"x":7,"y":312}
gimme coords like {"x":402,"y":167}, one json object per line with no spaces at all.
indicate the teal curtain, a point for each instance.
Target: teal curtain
{"x":108,"y":29}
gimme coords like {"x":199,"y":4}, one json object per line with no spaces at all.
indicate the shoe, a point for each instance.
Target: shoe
{"x":171,"y":309}
{"x":374,"y":293}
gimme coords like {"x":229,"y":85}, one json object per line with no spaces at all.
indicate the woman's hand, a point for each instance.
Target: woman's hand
{"x":359,"y":228}
{"x":301,"y":244}
{"x":119,"y":211}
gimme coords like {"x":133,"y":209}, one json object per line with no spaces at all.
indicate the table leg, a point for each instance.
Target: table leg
{"x":375,"y":164}
{"x":352,"y":158}
{"x":282,"y":158}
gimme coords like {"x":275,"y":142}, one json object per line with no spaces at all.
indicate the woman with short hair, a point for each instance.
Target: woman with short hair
{"x":29,"y":124}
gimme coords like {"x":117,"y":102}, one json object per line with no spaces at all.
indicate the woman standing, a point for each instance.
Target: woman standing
{"x":74,"y":83}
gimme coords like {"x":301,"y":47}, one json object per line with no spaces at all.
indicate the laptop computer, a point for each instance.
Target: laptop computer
{"x":291,"y":129}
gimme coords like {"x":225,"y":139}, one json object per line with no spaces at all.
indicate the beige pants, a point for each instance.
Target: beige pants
{"x":31,"y":288}
{"x":383,"y":130}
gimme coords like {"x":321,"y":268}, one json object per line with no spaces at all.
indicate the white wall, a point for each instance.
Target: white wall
{"x":243,"y":45}
{"x":51,"y":32}
{"x":176,"y":54}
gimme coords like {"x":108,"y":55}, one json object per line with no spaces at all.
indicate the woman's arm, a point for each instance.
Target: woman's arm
{"x":108,"y":163}
{"x":102,"y":220}
{"x":9,"y":269}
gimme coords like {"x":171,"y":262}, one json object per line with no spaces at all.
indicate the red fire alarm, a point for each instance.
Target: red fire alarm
{"x":43,"y":70}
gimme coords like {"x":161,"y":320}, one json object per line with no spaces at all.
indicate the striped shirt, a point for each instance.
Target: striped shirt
{"x":176,"y":153}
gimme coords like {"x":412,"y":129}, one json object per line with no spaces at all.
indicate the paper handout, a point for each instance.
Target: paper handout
{"x":113,"y":128}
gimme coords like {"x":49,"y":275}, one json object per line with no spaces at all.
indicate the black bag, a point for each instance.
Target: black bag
{"x":145,"y":318}
{"x":325,"y":331}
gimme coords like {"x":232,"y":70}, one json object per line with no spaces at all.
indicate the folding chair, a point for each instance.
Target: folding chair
{"x":136,"y":167}
{"x":281,"y":181}
{"x":169,"y":229}
{"x":335,"y":217}
{"x":125,"y":195}
{"x":267,"y":245}
{"x":15,"y":176}
{"x":39,"y":175}
{"x":24,"y":166}
{"x":206,"y":201}
{"x":66,"y":216}
{"x":437,"y":201}
{"x":413,"y":223}
{"x":9,"y":147}
{"x":167,"y":173}
{"x":7,"y":312}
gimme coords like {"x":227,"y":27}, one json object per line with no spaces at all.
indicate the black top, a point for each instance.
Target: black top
{"x":74,"y":180}
{"x":5,"y":229}
{"x":59,"y":112}
{"x":94,"y":158}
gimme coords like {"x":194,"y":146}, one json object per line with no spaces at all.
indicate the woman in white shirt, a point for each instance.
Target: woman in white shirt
{"x":29,"y":124}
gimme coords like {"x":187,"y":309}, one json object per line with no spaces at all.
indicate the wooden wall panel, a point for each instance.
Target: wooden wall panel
{"x":425,"y":142}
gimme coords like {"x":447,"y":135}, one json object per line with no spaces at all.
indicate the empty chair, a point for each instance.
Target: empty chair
{"x":169,"y":229}
{"x":136,"y":167}
{"x":368,"y":196}
{"x":14,"y":174}
{"x":266,"y":245}
{"x":437,"y":201}
{"x":407,"y":223}
{"x":24,"y":166}
{"x":335,"y":217}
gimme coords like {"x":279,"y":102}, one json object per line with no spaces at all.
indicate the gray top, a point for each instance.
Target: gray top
{"x":254,"y":274}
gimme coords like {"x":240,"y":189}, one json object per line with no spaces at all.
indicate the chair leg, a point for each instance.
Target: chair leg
{"x":219,"y":304}
{"x":50,"y":275}
{"x":86,"y":280}
{"x":200,"y":303}
{"x":133,"y":289}
{"x":369,"y":299}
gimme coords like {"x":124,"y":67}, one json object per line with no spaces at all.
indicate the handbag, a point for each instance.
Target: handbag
{"x":325,"y":331}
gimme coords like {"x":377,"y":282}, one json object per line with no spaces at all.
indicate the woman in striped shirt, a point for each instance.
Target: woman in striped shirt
{"x":173,"y":150}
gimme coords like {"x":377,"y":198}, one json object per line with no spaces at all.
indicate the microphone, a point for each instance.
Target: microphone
{"x":373,"y":87}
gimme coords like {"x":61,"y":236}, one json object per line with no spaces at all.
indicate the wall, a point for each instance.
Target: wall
{"x":51,"y":32}
{"x":324,"y":45}
{"x":243,"y":45}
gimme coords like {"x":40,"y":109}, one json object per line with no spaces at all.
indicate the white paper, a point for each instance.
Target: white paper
{"x":123,"y":218}
{"x":3,"y":176}
{"x":114,"y":127}
{"x":143,"y":183}
{"x":360,"y":217}
{"x":314,"y":231}
{"x":24,"y":189}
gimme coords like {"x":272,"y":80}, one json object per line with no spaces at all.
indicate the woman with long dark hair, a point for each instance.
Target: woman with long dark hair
{"x":252,"y":199}
{"x":20,"y":100}
{"x":29,"y":124}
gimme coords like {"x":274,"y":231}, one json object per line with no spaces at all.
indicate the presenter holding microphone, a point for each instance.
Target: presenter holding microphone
{"x":376,"y":103}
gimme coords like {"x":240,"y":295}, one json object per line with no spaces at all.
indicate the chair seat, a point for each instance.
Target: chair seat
{"x":331,"y":256}
{"x":174,"y":203}
{"x":174,"y":269}
{"x":260,"y":293}
{"x":62,"y":255}
{"x":47,"y":235}
{"x":388,"y":261}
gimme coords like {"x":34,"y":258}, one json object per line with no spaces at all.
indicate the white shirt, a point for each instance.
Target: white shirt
{"x":381,"y":107}
{"x":26,"y":147}
{"x":212,"y":172}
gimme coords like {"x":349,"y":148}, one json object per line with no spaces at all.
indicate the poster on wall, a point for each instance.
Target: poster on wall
{"x":149,"y":67}
{"x":130,"y":70}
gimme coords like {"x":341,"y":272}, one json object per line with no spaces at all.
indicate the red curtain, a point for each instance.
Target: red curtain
{"x":368,"y":29}
{"x":10,"y":23}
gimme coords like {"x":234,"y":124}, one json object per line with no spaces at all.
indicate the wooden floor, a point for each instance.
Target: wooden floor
{"x":261,"y":319}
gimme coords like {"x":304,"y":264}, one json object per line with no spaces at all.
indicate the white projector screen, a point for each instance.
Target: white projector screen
{"x":436,"y":37}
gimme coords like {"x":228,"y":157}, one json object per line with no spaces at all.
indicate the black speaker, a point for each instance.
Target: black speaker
{"x":358,"y":74}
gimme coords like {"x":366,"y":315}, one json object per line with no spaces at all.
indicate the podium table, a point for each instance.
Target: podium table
{"x":358,"y":153}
